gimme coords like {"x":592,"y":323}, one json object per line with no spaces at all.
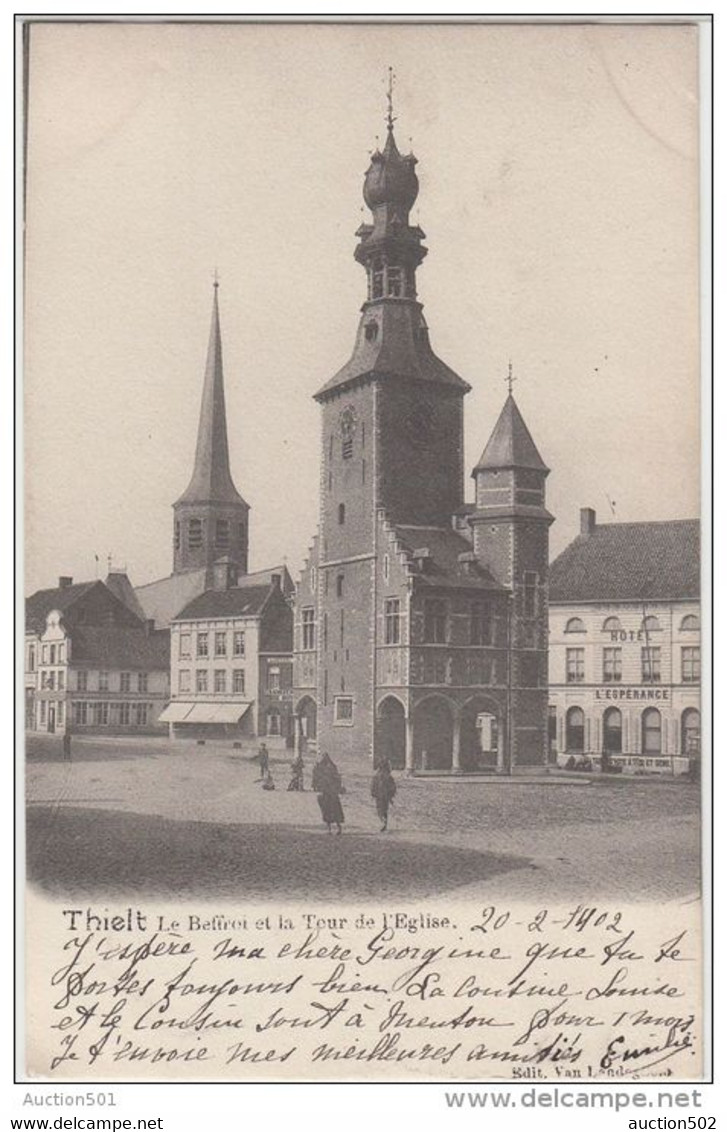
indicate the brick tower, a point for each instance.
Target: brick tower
{"x":211,"y":517}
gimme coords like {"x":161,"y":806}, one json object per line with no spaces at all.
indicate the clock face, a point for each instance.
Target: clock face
{"x":347,"y":423}
{"x":420,"y":424}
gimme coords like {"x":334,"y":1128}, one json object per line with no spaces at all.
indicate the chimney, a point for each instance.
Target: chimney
{"x":588,"y":521}
{"x":64,"y":582}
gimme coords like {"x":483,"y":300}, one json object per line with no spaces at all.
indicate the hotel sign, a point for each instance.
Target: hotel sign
{"x":632,"y":694}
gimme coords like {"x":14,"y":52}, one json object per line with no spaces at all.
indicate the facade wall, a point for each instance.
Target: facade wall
{"x":598,"y":664}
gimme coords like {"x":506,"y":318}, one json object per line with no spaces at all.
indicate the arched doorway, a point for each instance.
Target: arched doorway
{"x":575,"y":731}
{"x":612,"y":731}
{"x":433,"y":734}
{"x":691,"y":733}
{"x":390,"y":741}
{"x":651,"y":732}
{"x":306,"y":724}
{"x":481,"y":739}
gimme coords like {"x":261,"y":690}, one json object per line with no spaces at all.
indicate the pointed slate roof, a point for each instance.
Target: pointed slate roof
{"x":211,"y":479}
{"x":510,"y":445}
{"x":118,"y":582}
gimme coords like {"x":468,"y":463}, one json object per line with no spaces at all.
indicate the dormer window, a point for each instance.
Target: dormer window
{"x":575,"y":625}
{"x":371,"y":331}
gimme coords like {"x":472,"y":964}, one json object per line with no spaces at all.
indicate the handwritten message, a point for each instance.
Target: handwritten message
{"x":581,"y":992}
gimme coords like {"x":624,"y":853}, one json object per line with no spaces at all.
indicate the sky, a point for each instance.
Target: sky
{"x":558,"y":172}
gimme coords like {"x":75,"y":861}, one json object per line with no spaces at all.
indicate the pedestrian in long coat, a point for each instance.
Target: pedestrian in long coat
{"x":326,"y":783}
{"x":264,"y":760}
{"x":383,"y":789}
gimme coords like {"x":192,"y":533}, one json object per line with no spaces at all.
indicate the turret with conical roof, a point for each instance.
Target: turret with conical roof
{"x":211,"y":517}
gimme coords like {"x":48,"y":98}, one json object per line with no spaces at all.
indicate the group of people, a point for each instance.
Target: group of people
{"x":326,"y":783}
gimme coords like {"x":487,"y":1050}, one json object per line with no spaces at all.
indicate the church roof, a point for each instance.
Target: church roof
{"x":629,"y":562}
{"x":400,"y":348}
{"x":510,"y":445}
{"x":238,"y":601}
{"x":211,"y":480}
{"x":445,"y":566}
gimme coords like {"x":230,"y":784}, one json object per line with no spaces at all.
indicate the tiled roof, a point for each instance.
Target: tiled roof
{"x":39,"y":604}
{"x":511,"y":445}
{"x":116,"y":647}
{"x":445,"y":568}
{"x":238,"y":601}
{"x":630,"y":562}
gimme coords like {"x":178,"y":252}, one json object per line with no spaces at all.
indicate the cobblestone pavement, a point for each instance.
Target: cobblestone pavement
{"x":150,"y":819}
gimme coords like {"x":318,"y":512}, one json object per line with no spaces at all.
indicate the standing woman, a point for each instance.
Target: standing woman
{"x":327,"y":785}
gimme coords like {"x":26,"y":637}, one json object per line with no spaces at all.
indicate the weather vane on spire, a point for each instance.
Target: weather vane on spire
{"x":390,"y":119}
{"x":510,"y":379}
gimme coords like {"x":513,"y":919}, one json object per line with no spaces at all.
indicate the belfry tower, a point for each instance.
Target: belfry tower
{"x":211,"y":517}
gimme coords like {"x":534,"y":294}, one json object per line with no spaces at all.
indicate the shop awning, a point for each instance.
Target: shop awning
{"x":217,"y":713}
{"x":175,"y":712}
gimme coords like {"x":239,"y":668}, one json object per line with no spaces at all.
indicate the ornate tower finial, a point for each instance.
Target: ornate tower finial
{"x":216,"y":279}
{"x":510,"y":379}
{"x":390,"y":119}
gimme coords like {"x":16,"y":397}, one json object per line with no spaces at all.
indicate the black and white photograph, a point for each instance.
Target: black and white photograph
{"x":364,"y":403}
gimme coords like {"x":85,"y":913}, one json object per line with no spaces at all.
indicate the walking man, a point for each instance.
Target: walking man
{"x":327,"y":785}
{"x":383,"y":789}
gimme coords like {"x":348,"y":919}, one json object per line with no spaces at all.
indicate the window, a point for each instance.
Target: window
{"x":650,"y":625}
{"x":51,"y":682}
{"x":201,"y":679}
{"x":575,"y":662}
{"x":372,"y":331}
{"x":220,"y":644}
{"x":377,"y":280}
{"x":690,"y":624}
{"x":125,"y":681}
{"x":691,"y":665}
{"x":61,"y":680}
{"x":273,"y":678}
{"x":44,"y":710}
{"x":273,"y":722}
{"x":31,"y":659}
{"x":125,"y":713}
{"x":339,"y":585}
{"x":185,"y":644}
{"x":203,"y":644}
{"x":61,"y":653}
{"x":52,"y":654}
{"x":222,"y":534}
{"x":220,"y":680}
{"x":343,"y":710}
{"x":238,"y":643}
{"x":341,"y":513}
{"x":691,"y":740}
{"x":313,"y":579}
{"x":82,"y":680}
{"x":44,"y":654}
{"x":59,"y":713}
{"x":392,"y":625}
{"x":238,"y":682}
{"x":141,"y":713}
{"x":309,"y":629}
{"x":612,"y":734}
{"x":143,"y":681}
{"x":575,"y":730}
{"x":103,"y":682}
{"x":80,"y":713}
{"x":395,"y":282}
{"x":651,"y":665}
{"x":183,"y":678}
{"x":100,"y":714}
{"x":480,"y":623}
{"x":325,"y":630}
{"x":530,"y":593}
{"x":435,"y":621}
{"x":386,"y":567}
{"x":575,"y":625}
{"x":612,"y":625}
{"x":651,"y":732}
{"x":343,"y":626}
{"x":194,"y":533}
{"x":177,"y":536}
{"x":611,"y":666}
{"x":347,"y":447}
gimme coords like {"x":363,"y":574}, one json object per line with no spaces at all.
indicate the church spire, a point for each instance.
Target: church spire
{"x":211,"y":480}
{"x":211,"y":517}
